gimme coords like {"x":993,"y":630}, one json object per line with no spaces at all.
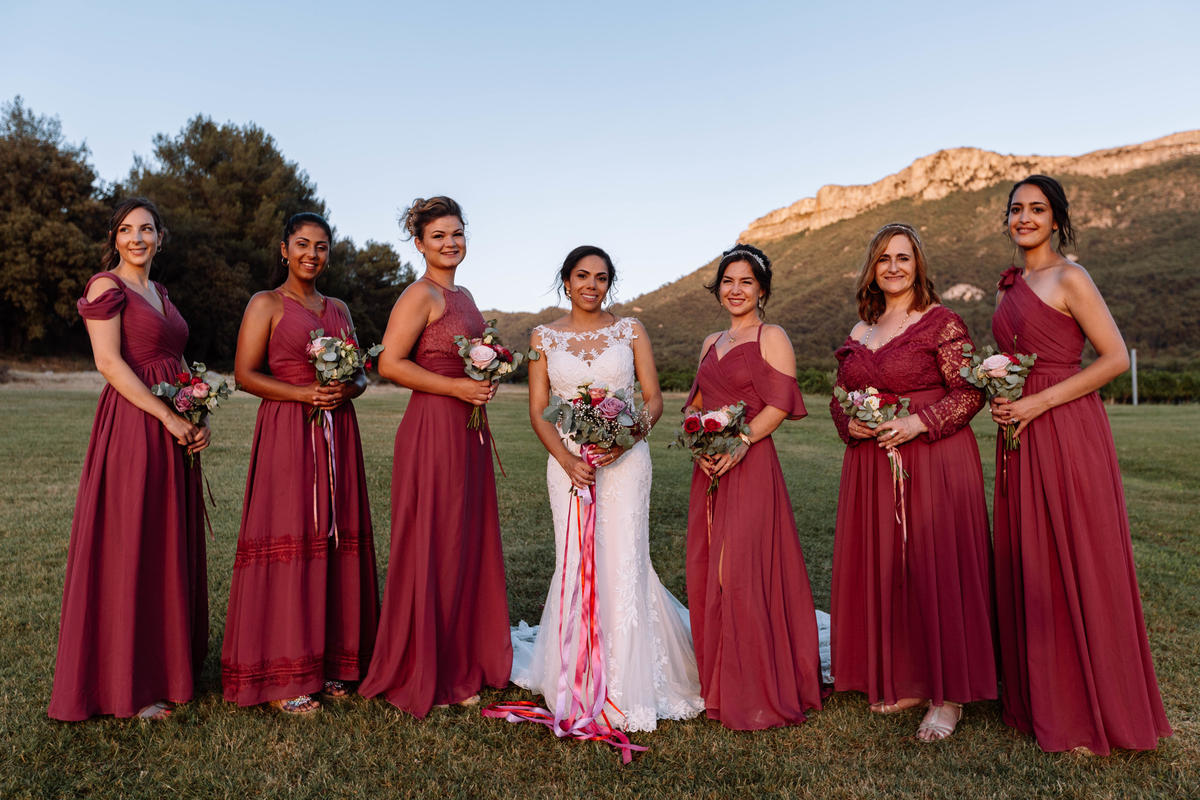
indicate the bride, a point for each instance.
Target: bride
{"x":649,"y":664}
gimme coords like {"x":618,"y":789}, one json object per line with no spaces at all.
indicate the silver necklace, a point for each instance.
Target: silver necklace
{"x":897,"y":332}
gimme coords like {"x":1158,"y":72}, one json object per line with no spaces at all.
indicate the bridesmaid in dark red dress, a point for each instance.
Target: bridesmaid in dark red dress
{"x":753,"y":622}
{"x":443,"y":633}
{"x":912,"y":619}
{"x":1075,"y":660}
{"x":134,"y":624}
{"x":303,"y":605}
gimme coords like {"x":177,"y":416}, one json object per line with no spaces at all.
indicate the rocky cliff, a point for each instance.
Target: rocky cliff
{"x":960,"y":169}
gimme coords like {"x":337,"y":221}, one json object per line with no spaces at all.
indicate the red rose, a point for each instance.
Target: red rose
{"x":350,"y":341}
{"x":183,"y":377}
{"x":504,"y":353}
{"x":888,"y":399}
{"x":712,"y":425}
{"x":367,"y":364}
{"x":1013,"y":359}
{"x":596,"y":394}
{"x":196,"y":379}
{"x":691,"y":423}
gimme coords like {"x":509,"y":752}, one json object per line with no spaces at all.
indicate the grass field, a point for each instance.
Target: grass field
{"x":367,"y":749}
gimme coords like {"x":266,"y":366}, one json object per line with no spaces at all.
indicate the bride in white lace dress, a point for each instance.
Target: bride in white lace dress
{"x":649,"y":662}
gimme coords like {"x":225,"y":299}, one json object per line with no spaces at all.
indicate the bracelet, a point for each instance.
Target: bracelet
{"x":745,"y":439}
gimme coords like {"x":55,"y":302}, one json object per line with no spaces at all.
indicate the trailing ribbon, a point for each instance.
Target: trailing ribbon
{"x":582,"y":696}
{"x":492,"y":436}
{"x":897,"y":465}
{"x":194,"y":463}
{"x":326,"y":428}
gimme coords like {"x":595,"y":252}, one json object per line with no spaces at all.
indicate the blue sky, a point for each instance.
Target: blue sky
{"x":655,"y":130}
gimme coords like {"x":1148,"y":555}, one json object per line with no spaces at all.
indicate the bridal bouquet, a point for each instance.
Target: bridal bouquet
{"x":873,"y":408}
{"x":486,"y":358}
{"x":194,"y":394}
{"x":712,"y":433}
{"x":597,"y":417}
{"x":337,"y":358}
{"x":999,"y":375}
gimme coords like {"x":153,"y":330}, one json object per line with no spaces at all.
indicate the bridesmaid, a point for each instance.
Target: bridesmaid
{"x":1075,"y":660}
{"x":912,"y":604}
{"x":303,"y":605}
{"x":444,"y":629}
{"x":753,"y":622}
{"x":134,"y":627}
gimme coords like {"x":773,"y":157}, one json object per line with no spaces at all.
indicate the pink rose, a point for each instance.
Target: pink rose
{"x":996,"y":366}
{"x":596,"y":394}
{"x":610,"y":408}
{"x":317,"y":345}
{"x":482,"y":355}
{"x":183,"y":400}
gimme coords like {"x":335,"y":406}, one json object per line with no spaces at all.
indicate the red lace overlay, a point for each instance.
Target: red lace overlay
{"x":334,"y":665}
{"x":293,"y":548}
{"x":922,"y":363}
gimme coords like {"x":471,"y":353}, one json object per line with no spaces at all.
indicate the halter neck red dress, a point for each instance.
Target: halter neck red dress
{"x":134,"y":624}
{"x":302,"y":607}
{"x":914,"y":618}
{"x":443,"y":633}
{"x":1075,"y":661}
{"x":753,"y":622}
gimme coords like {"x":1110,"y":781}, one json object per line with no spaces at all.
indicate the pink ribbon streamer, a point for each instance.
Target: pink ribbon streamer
{"x":897,"y":465}
{"x":326,"y":428}
{"x":582,"y":692}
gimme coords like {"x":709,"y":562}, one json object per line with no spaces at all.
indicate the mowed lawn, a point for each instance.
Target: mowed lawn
{"x":367,"y":749}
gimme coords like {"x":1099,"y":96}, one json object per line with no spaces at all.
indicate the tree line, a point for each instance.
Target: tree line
{"x":224,"y":190}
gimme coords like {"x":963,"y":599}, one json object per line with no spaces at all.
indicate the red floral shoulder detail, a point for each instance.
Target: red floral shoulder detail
{"x":1009,"y":277}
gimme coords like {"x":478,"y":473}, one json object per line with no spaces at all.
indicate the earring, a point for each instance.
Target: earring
{"x":285,"y":262}
{"x":873,"y":288}
{"x":567,"y":292}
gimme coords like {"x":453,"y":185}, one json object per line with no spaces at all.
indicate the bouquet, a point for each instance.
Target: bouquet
{"x":486,"y":358}
{"x":873,"y":408}
{"x":194,"y":394}
{"x":999,"y":375}
{"x":599,"y":418}
{"x":712,"y":433}
{"x":338,"y":358}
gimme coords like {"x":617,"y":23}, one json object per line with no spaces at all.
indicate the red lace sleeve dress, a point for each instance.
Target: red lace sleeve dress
{"x":134,"y":624}
{"x":443,"y":632}
{"x":753,"y":622}
{"x":303,"y":605}
{"x":1075,"y":660}
{"x":912,"y":615}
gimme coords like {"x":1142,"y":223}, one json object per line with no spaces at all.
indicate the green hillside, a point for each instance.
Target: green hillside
{"x":1138,"y":234}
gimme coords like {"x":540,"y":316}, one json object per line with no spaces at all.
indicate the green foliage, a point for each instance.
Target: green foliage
{"x":1155,"y":386}
{"x":51,"y":222}
{"x":359,"y":748}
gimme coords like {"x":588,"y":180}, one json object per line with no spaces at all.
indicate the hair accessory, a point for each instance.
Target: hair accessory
{"x":902,"y":227}
{"x":743,"y":254}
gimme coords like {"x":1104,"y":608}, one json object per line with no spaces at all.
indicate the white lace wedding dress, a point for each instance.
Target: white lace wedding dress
{"x":650,"y":665}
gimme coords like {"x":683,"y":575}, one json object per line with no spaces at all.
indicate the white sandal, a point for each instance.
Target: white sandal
{"x":932,"y":725}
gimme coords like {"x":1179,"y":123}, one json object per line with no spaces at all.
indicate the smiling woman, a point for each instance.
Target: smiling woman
{"x":135,"y":600}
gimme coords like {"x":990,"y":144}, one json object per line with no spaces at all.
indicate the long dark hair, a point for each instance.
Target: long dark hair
{"x":111,"y":257}
{"x":1059,"y":207}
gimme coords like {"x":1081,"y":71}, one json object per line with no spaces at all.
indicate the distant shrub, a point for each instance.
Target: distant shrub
{"x":1155,"y":386}
{"x":676,"y":380}
{"x":813,"y":380}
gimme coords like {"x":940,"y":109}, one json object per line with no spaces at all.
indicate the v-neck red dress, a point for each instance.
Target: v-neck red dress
{"x":753,"y":622}
{"x":913,"y":617}
{"x":134,"y":626}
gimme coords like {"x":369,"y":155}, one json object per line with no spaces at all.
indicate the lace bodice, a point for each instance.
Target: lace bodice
{"x":604,"y":357}
{"x":923,"y":364}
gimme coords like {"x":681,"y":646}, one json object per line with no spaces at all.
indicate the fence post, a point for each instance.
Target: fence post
{"x":1133,"y":367}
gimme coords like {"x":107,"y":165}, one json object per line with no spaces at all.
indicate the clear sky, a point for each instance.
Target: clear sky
{"x":657,"y":130}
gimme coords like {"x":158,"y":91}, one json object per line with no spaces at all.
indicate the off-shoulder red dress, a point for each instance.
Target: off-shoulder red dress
{"x":1075,"y":661}
{"x":443,"y":633}
{"x":134,"y":624}
{"x":302,"y":606}
{"x":753,"y":622}
{"x":914,"y":618}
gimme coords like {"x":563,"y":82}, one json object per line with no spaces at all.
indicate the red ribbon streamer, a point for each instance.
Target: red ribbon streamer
{"x":582,"y":690}
{"x":897,"y":465}
{"x":326,"y":428}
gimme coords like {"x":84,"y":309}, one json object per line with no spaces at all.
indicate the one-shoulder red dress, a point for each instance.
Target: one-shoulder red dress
{"x":134,"y":624}
{"x":303,"y":605}
{"x":753,"y":622}
{"x":444,"y":632}
{"x":912,"y":612}
{"x":1075,"y":661}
